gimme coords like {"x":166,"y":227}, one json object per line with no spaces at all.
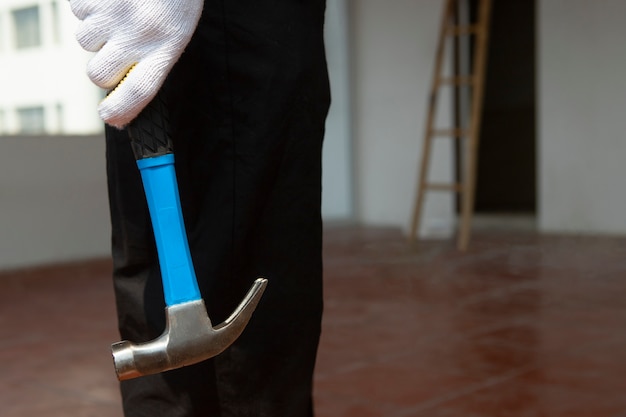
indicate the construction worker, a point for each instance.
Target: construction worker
{"x":248,"y":94}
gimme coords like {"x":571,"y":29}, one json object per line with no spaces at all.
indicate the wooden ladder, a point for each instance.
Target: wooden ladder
{"x":475,"y":80}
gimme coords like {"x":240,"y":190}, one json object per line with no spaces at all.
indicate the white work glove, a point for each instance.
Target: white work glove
{"x":146,"y":35}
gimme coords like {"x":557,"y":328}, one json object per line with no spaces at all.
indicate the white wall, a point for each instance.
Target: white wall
{"x":393,"y":49}
{"x":53,"y":200}
{"x":582,"y":115}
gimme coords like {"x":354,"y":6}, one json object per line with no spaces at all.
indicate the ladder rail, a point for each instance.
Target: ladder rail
{"x":475,"y":80}
{"x":471,"y":154}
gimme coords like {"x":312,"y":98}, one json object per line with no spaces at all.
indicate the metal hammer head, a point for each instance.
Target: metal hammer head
{"x":189,"y":337}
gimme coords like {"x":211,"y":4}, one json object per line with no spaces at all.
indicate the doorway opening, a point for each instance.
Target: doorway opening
{"x":507,"y":157}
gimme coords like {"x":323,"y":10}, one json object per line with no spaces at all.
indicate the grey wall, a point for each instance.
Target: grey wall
{"x":338,"y":199}
{"x":53,"y":200}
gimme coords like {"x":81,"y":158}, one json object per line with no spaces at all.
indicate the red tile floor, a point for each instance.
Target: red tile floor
{"x":521,"y":325}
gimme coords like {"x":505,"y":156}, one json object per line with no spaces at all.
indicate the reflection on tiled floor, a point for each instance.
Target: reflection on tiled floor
{"x":521,"y":325}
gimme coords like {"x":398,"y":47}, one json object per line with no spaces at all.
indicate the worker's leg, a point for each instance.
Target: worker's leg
{"x":251,"y":96}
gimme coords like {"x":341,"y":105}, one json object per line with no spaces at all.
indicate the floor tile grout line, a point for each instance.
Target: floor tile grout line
{"x":473,"y":388}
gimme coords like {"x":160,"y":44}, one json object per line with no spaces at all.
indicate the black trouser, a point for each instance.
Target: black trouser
{"x":248,"y":100}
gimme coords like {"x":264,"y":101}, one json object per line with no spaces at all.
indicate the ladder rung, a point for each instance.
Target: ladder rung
{"x":459,"y":80}
{"x":462,"y":30}
{"x":455,"y":133}
{"x":443,"y":187}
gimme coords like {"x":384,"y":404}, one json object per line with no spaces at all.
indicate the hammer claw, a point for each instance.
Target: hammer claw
{"x":188,"y":338}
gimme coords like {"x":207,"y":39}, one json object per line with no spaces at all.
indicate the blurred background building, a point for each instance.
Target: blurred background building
{"x":42,"y":82}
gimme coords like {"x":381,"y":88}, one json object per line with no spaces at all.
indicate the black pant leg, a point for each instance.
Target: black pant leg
{"x":248,"y":101}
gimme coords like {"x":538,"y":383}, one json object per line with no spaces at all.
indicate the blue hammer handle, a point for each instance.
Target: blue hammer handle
{"x":152,"y":146}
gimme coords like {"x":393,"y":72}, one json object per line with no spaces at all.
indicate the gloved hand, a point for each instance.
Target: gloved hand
{"x":146,"y":35}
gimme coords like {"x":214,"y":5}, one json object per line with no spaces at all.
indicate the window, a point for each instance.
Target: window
{"x":31,"y":120}
{"x":27,"y":27}
{"x":56,"y":23}
{"x":2,"y":46}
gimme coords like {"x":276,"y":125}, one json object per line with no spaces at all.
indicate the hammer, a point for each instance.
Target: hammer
{"x":189,"y":337}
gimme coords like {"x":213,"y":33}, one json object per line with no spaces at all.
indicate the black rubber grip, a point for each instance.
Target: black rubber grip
{"x":150,"y":132}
